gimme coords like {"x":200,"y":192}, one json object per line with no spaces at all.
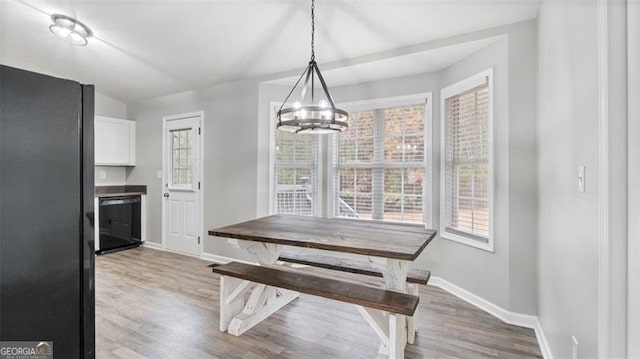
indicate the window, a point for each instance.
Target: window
{"x":295,"y":171}
{"x":379,"y":164}
{"x":466,"y":166}
{"x":181,"y":158}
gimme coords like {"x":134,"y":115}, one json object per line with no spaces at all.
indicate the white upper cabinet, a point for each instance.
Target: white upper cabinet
{"x":115,"y":142}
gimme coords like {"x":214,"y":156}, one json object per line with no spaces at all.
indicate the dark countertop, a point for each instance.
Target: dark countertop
{"x":116,"y":191}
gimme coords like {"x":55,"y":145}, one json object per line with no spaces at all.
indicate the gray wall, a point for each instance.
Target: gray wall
{"x":113,"y":175}
{"x":568,"y":137}
{"x":479,"y":264}
{"x":618,"y":137}
{"x":523,"y":172}
{"x":109,"y":107}
{"x":573,"y":130}
{"x":230,"y":156}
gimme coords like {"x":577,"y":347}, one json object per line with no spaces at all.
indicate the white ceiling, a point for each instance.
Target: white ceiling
{"x":405,"y":65}
{"x":146,"y":48}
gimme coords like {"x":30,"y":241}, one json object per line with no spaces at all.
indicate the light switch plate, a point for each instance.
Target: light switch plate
{"x":581,"y":179}
{"x":102,"y":174}
{"x":159,"y":174}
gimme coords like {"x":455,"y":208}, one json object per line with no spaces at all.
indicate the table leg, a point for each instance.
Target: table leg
{"x":394,"y":272}
{"x":412,"y":322}
{"x":263,"y":253}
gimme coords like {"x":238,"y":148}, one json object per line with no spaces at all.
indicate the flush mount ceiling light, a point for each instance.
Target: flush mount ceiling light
{"x":307,"y":115}
{"x":70,"y":30}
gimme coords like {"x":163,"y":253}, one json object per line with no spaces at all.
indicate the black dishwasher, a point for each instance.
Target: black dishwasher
{"x":119,"y":223}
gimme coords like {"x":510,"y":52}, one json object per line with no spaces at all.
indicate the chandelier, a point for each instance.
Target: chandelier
{"x":306,"y":115}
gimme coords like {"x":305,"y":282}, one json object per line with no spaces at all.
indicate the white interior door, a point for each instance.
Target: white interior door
{"x":182,"y":170}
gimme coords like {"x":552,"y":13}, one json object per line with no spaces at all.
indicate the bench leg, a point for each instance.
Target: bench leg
{"x":391,"y":328}
{"x":263,"y":302}
{"x":231,"y":299}
{"x":412,"y":322}
{"x":379,"y":321}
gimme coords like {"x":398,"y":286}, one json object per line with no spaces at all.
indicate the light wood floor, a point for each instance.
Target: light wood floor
{"x":153,"y":304}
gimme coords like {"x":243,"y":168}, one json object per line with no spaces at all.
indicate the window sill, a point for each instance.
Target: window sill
{"x":469,"y":242}
{"x":408,"y":224}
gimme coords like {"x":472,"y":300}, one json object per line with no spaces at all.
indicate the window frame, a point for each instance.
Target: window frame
{"x":426,"y":98}
{"x":171,"y":184}
{"x":317,"y":187}
{"x":447,"y":92}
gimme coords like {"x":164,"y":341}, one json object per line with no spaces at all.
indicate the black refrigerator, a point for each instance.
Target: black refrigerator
{"x":46,"y":212}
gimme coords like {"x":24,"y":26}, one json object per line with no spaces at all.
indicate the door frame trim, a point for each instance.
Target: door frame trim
{"x":633,"y":118}
{"x":604,"y":241}
{"x":613,"y":175}
{"x":200,"y":191}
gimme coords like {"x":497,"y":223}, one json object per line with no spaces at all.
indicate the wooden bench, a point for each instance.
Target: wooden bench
{"x":373,"y":302}
{"x":414,"y":276}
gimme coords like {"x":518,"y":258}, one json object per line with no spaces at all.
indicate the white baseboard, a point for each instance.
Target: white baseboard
{"x":522,"y":320}
{"x":542,"y":341}
{"x":204,"y":256}
{"x":221,"y":259}
{"x":152,"y":245}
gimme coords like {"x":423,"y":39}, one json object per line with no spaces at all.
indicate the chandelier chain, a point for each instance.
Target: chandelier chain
{"x":313,"y":30}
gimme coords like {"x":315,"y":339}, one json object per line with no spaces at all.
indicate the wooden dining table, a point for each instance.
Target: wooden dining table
{"x":389,"y":247}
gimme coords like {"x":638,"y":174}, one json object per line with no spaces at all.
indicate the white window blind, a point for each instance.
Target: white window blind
{"x":295,"y":172}
{"x":466,"y":148}
{"x":379,"y":165}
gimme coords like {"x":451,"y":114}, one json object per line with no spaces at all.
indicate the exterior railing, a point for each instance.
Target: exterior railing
{"x":297,"y":199}
{"x":294,"y":199}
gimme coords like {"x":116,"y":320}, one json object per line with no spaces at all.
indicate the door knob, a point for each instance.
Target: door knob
{"x":166,"y":194}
